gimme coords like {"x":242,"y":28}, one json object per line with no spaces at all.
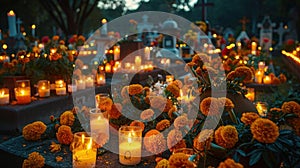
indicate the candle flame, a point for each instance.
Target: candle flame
{"x":33,"y":26}
{"x":89,"y":146}
{"x":2,"y":93}
{"x":82,"y":138}
{"x":11,"y":13}
{"x":103,"y":21}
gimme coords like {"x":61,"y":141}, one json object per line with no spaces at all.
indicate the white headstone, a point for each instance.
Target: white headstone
{"x":281,"y":30}
{"x":144,"y":26}
{"x":266,"y":30}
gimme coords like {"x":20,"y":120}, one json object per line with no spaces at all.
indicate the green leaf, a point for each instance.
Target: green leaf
{"x":255,"y":158}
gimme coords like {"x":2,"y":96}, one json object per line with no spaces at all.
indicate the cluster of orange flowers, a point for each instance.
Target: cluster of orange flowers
{"x":34,"y":131}
{"x":35,"y":160}
{"x":212,"y":106}
{"x":292,"y":107}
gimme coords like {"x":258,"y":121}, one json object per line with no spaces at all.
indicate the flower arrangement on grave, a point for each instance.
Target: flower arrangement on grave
{"x":76,"y":40}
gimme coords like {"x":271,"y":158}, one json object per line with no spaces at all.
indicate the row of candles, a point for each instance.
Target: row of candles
{"x":260,"y":76}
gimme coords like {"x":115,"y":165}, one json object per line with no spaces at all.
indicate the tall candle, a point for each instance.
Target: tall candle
{"x":12,"y":23}
{"x":99,"y":124}
{"x":104,"y":27}
{"x":4,"y":96}
{"x":84,"y":153}
{"x":147,"y":53}
{"x":116,"y":52}
{"x":253,"y":48}
{"x":259,"y":76}
{"x":130,"y":145}
{"x":33,"y":30}
{"x":138,"y":61}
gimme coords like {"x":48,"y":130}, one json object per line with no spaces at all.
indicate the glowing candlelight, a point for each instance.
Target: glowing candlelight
{"x":4,"y":96}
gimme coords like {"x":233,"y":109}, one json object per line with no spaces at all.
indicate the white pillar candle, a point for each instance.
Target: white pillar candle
{"x":147,"y":53}
{"x":253,"y":48}
{"x":259,"y":76}
{"x":138,"y":61}
{"x":33,"y":30}
{"x":116,"y":52}
{"x":12,"y":23}
{"x":99,"y":124}
{"x":104,"y":27}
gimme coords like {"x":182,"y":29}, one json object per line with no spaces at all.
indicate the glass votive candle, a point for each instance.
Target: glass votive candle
{"x":100,"y":78}
{"x":262,"y":108}
{"x":89,"y":81}
{"x":23,"y":91}
{"x":99,"y":125}
{"x":4,"y":96}
{"x":44,"y":88}
{"x":130,"y":145}
{"x":80,"y":84}
{"x":84,"y":151}
{"x":191,"y":153}
{"x":60,"y":87}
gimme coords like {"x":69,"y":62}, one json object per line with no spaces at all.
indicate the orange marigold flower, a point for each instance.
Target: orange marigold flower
{"x":231,"y":75}
{"x":209,"y":106}
{"x":245,"y":73}
{"x":174,"y":89}
{"x":180,"y":160}
{"x":173,"y":138}
{"x":67,"y":118}
{"x":34,"y":131}
{"x":105,"y":103}
{"x":116,"y":111}
{"x":264,"y":130}
{"x":34,"y":160}
{"x":228,"y":104}
{"x":178,"y":83}
{"x":230,"y":163}
{"x":55,"y":38}
{"x":181,"y":121}
{"x":163,"y":124}
{"x":147,"y":114}
{"x":158,"y":102}
{"x":147,"y":90}
{"x":291,"y":107}
{"x":138,"y":123}
{"x":282,"y":78}
{"x":249,"y":117}
{"x":276,"y":81}
{"x":135,"y":89}
{"x":226,"y":136}
{"x":164,"y":163}
{"x":171,"y":111}
{"x":154,"y":141}
{"x":295,"y":123}
{"x":64,"y":135}
{"x":203,"y":139}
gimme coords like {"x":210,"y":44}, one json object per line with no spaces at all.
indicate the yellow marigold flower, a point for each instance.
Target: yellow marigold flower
{"x":138,"y":123}
{"x":209,"y":106}
{"x":64,"y":135}
{"x":154,"y":142}
{"x":147,"y":114}
{"x":226,"y":136}
{"x":180,"y":160}
{"x":164,"y":163}
{"x":291,"y":107}
{"x":34,"y":131}
{"x":203,"y":139}
{"x":282,"y":78}
{"x":135,"y":89}
{"x":245,"y":73}
{"x":228,"y":104}
{"x":67,"y":118}
{"x":181,"y":121}
{"x":249,"y":117}
{"x":264,"y":130}
{"x":230,"y":163}
{"x":105,"y":103}
{"x":116,"y":111}
{"x":174,"y":89}
{"x":173,"y":138}
{"x":34,"y":160}
{"x":163,"y":124}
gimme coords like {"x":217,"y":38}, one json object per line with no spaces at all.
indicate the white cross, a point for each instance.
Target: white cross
{"x":281,"y":30}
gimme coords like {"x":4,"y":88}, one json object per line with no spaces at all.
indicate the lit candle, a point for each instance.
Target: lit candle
{"x":250,"y":94}
{"x":239,"y":44}
{"x":60,"y":87}
{"x":89,"y":81}
{"x":4,"y":96}
{"x":33,"y":30}
{"x":168,"y":62}
{"x":108,"y":68}
{"x":104,"y":27}
{"x":138,"y":61}
{"x":147,"y":53}
{"x":84,"y":152}
{"x":99,"y":124}
{"x":101,"y":68}
{"x":100,"y":78}
{"x":116,"y":52}
{"x":267,"y":79}
{"x":259,"y":76}
{"x":23,"y":92}
{"x":127,"y":65}
{"x":130,"y":145}
{"x":262,"y":108}
{"x":12,"y":23}
{"x":261,"y":65}
{"x":72,"y":87}
{"x":80,"y":84}
{"x":44,"y":88}
{"x":253,"y":48}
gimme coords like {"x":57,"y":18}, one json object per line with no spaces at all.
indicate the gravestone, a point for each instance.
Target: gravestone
{"x":281,"y":31}
{"x":266,"y":31}
{"x":243,"y":36}
{"x":144,"y":28}
{"x":228,"y":32}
